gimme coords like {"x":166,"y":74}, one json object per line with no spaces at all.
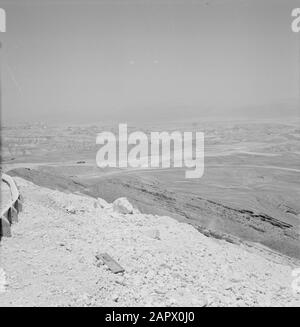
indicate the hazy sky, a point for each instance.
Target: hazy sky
{"x":97,"y":60}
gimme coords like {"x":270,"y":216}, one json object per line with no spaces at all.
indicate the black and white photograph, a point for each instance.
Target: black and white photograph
{"x":150,"y":156}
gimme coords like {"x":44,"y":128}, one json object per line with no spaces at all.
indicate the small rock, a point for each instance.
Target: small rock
{"x":202,"y":302}
{"x":115,"y":297}
{"x":236,"y":280}
{"x":71,"y":210}
{"x":100,"y":263}
{"x":153,"y":233}
{"x":122,"y":205}
{"x":102,"y":203}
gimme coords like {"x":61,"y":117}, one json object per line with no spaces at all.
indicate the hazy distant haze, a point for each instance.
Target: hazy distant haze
{"x":148,"y":60}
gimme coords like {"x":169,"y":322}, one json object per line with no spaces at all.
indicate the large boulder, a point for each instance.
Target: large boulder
{"x":122,"y":205}
{"x":101,"y":203}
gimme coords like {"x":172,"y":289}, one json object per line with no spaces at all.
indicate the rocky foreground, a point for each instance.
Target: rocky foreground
{"x":51,"y":260}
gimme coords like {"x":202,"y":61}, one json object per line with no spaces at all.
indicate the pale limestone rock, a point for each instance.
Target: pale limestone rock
{"x":122,"y":205}
{"x":102,"y":203}
{"x":152,"y":233}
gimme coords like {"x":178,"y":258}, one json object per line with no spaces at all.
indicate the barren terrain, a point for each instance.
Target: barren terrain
{"x":51,"y":260}
{"x":249,"y":191}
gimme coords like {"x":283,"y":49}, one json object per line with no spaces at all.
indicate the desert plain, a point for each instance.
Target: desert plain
{"x":249,"y":191}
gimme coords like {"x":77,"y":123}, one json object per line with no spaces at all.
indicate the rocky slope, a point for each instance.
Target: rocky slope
{"x":160,"y":195}
{"x":51,"y":259}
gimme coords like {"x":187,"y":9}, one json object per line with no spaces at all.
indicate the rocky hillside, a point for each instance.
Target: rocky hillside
{"x":52,"y":259}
